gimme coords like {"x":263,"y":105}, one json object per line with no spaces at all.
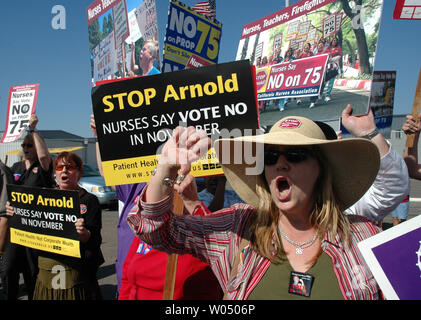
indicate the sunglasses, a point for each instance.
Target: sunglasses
{"x":291,"y":155}
{"x":69,"y":168}
{"x":29,"y":145}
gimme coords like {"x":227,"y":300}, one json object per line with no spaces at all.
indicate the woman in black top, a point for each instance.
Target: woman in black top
{"x":34,"y":170}
{"x":78,"y":279}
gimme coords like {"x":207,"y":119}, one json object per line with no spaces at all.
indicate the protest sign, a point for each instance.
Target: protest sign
{"x":45,"y":219}
{"x":121,"y":23}
{"x":147,"y":19}
{"x":134,"y":31}
{"x":329,"y":25}
{"x":102,"y":39}
{"x":189,"y":34}
{"x":394,"y":258}
{"x":311,"y":22}
{"x":407,"y":10}
{"x":21,"y":105}
{"x":291,"y":79}
{"x":116,"y":38}
{"x":382,"y":99}
{"x":416,"y":107}
{"x":135,"y":117}
{"x":104,"y":57}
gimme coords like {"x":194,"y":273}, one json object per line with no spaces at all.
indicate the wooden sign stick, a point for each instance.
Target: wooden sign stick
{"x":415,"y":111}
{"x":172,"y":259}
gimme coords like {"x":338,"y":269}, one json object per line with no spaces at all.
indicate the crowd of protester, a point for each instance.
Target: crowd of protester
{"x":299,"y":220}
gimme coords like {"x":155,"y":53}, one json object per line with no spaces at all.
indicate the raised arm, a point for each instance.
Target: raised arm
{"x":40,"y":145}
{"x":185,"y":146}
{"x":391,"y":185}
{"x":135,"y":67}
{"x":98,"y":153}
{"x":360,"y":126}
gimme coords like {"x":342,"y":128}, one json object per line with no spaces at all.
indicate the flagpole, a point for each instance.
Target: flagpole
{"x":286,"y":3}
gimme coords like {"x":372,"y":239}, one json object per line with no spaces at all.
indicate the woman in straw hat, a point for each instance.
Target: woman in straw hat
{"x":293,"y":223}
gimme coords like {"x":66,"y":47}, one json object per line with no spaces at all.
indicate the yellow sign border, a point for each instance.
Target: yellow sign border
{"x":139,"y":169}
{"x":44,"y":242}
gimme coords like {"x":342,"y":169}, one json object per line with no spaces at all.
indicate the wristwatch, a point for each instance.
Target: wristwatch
{"x":371,"y":135}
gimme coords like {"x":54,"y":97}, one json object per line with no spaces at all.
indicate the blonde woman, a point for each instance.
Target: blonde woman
{"x":293,"y":224}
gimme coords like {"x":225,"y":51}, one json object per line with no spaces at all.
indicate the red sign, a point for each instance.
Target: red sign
{"x":22,"y":103}
{"x":196,"y":62}
{"x":98,"y":8}
{"x":407,"y":10}
{"x":296,"y":78}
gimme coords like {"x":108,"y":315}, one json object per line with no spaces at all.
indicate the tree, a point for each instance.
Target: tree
{"x":110,"y":24}
{"x":94,"y":34}
{"x":361,"y":41}
{"x":107,"y":25}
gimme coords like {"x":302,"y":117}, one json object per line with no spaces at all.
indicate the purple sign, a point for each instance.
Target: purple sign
{"x":394,"y":258}
{"x":400,"y":262}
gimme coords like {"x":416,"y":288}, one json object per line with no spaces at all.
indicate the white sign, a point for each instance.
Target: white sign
{"x":135,"y":33}
{"x":303,"y":30}
{"x":329,"y":25}
{"x":121,"y":24}
{"x":105,"y":57}
{"x":147,"y":20}
{"x":292,"y":30}
{"x":22,"y":101}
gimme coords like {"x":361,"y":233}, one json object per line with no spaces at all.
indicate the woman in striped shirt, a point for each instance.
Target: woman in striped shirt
{"x":293,"y":223}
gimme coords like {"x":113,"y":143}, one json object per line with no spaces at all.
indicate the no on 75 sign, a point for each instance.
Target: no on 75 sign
{"x":22,"y":102}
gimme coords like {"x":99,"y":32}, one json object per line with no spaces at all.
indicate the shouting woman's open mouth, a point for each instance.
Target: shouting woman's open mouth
{"x":283,"y":188}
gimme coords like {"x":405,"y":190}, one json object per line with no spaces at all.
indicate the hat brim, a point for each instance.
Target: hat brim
{"x":354,"y":163}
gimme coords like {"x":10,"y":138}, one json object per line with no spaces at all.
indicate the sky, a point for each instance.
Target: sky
{"x":32,"y":51}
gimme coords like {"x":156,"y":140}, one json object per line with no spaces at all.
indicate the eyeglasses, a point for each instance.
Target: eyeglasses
{"x":29,"y":145}
{"x":69,"y":167}
{"x":291,"y":155}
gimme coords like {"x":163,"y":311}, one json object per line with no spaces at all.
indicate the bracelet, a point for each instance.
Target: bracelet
{"x":371,"y":135}
{"x":169,"y":182}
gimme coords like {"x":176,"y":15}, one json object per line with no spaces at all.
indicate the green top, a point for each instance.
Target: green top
{"x":275,"y":282}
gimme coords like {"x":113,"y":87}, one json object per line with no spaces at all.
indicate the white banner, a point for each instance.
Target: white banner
{"x":22,"y":101}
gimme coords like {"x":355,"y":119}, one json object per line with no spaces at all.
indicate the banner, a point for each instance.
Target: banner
{"x":21,"y":105}
{"x":394,"y":258}
{"x":291,"y":79}
{"x":346,"y":32}
{"x":45,"y":219}
{"x":382,"y":100}
{"x":407,"y":10}
{"x":135,"y":117}
{"x":190,"y":35}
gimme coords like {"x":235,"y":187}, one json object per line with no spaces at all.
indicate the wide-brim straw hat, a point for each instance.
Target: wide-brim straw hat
{"x":354,"y":162}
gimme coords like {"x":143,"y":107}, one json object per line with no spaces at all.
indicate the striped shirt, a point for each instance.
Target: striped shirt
{"x":216,"y":240}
